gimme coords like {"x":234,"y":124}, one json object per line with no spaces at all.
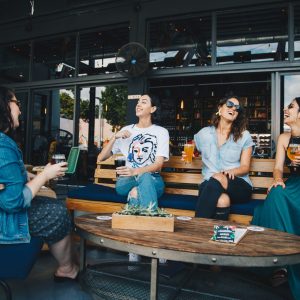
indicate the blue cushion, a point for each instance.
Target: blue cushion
{"x":188,"y":202}
{"x":16,"y":260}
{"x":97,"y":192}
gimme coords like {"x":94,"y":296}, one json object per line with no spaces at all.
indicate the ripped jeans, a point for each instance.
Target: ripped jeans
{"x":150,"y":186}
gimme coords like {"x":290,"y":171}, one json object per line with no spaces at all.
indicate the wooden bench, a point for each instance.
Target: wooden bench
{"x":182,"y":181}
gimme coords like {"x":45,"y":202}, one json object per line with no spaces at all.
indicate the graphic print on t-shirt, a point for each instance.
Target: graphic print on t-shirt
{"x":142,"y":150}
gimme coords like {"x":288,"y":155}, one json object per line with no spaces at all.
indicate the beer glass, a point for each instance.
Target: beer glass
{"x":293,"y":150}
{"x":189,"y":150}
{"x":120,"y":161}
{"x":57,"y":158}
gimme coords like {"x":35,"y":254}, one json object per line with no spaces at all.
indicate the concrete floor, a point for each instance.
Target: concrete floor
{"x":227,"y":283}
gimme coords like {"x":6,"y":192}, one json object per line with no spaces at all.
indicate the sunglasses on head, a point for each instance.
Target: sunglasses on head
{"x":231,"y":104}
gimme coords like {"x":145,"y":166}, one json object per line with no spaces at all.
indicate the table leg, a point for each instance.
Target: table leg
{"x":82,"y":253}
{"x":153,"y":282}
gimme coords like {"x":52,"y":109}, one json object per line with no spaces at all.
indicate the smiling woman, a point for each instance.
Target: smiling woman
{"x":226,"y":149}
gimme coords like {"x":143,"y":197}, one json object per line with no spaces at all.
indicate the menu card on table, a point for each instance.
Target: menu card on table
{"x":228,"y":234}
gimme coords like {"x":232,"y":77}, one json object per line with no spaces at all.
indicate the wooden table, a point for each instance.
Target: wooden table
{"x":191,"y":243}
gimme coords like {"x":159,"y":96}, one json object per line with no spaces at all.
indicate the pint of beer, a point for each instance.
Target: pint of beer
{"x":189,"y":150}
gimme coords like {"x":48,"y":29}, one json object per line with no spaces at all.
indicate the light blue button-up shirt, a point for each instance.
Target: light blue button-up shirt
{"x":217,"y":159}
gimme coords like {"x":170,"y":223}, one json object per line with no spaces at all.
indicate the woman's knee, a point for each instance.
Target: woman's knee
{"x":133,"y":193}
{"x":222,"y":179}
{"x":223,"y":201}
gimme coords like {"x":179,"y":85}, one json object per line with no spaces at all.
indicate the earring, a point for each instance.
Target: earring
{"x":218,"y":113}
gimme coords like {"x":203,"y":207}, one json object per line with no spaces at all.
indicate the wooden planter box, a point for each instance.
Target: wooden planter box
{"x":142,"y":222}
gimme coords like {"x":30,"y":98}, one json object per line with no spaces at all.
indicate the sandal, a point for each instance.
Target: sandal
{"x":279,"y":277}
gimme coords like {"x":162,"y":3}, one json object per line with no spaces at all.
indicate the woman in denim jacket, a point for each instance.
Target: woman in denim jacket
{"x":226,"y":149}
{"x":21,"y":213}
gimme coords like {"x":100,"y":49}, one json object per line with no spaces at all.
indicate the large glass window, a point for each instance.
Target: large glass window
{"x":252,"y":36}
{"x":297,"y":32}
{"x":98,"y":50}
{"x":180,"y":43}
{"x":52,"y":126}
{"x":14,"y":63}
{"x":54,"y":58}
{"x":291,"y":89}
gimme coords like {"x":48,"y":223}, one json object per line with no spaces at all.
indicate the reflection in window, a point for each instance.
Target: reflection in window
{"x":252,"y":36}
{"x":54,"y":58}
{"x":180,"y":43}
{"x":98,"y":50}
{"x":297,"y":32}
{"x":14,"y":63}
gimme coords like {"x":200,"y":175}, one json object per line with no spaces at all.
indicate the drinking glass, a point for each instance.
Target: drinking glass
{"x":189,"y":150}
{"x":120,"y":161}
{"x":57,"y":158}
{"x":293,"y":150}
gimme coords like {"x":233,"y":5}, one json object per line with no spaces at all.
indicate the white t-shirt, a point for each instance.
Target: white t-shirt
{"x":143,"y":146}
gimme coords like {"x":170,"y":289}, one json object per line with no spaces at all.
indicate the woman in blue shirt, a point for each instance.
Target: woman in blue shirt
{"x":226,"y":149}
{"x":21,"y":213}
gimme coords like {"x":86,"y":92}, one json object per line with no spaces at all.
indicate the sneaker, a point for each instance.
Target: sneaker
{"x":134,"y":259}
{"x":162,"y":261}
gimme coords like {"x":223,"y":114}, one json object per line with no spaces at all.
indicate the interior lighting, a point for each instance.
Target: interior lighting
{"x":182,"y":104}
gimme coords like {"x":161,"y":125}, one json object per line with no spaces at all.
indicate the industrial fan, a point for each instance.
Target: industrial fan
{"x":132,"y":60}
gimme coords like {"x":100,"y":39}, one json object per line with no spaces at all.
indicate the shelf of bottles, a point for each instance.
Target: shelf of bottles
{"x":185,"y":117}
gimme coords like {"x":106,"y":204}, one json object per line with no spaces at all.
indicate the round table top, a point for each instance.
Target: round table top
{"x":191,"y":242}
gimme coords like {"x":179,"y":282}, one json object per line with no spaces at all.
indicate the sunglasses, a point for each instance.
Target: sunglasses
{"x":231,"y":104}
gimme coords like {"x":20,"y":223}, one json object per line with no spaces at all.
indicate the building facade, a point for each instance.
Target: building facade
{"x":59,"y":56}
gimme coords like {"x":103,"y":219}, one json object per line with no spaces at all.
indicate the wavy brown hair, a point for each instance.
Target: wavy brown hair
{"x":6,"y":122}
{"x":239,"y":125}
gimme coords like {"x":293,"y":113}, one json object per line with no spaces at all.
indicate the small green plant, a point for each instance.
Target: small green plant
{"x":135,"y":210}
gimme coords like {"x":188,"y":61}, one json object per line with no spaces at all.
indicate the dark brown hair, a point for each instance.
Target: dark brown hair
{"x":239,"y":125}
{"x":298,"y":102}
{"x":6,"y":122}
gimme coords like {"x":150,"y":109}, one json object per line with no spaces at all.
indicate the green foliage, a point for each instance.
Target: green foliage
{"x":114,"y":99}
{"x":149,"y":211}
{"x":67,"y":107}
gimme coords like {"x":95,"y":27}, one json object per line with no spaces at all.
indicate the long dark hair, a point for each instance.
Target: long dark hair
{"x":239,"y":125}
{"x":298,"y":102}
{"x":6,"y":121}
{"x":155,"y":117}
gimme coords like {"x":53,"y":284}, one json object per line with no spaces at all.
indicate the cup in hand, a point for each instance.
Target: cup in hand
{"x":120,"y":161}
{"x":57,"y":158}
{"x":189,"y":150}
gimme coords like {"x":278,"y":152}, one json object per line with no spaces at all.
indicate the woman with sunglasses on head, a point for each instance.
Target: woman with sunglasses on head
{"x":22,"y":213}
{"x":281,"y":209}
{"x":226,"y":148}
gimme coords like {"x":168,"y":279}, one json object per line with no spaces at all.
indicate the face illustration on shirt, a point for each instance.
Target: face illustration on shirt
{"x":142,"y":150}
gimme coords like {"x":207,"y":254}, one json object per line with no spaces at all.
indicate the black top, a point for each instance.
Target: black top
{"x":295,"y":170}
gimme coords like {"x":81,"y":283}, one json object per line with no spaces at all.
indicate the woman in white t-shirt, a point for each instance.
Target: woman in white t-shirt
{"x":145,"y":146}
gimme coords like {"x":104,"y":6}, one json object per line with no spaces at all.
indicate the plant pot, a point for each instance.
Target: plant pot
{"x":142,"y":222}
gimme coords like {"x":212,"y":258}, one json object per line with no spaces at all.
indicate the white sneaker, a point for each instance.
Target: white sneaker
{"x":162,"y":261}
{"x":134,"y":258}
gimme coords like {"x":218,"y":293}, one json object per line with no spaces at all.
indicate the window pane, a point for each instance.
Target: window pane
{"x":98,"y":50}
{"x":297,"y":32}
{"x":177,"y":43}
{"x":54,"y":58}
{"x":252,"y":36}
{"x":14,"y":63}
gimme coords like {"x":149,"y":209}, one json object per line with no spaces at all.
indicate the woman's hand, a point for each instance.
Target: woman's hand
{"x":56,"y":170}
{"x":277,"y":182}
{"x":124,"y":134}
{"x":229,"y":173}
{"x":296,"y":161}
{"x":125,"y":171}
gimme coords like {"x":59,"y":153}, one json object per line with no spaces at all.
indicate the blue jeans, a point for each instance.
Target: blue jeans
{"x":150,"y":186}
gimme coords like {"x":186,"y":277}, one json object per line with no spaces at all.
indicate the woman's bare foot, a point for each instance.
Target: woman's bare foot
{"x":67,"y":271}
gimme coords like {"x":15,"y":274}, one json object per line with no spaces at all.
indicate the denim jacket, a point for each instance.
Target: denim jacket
{"x":16,"y":197}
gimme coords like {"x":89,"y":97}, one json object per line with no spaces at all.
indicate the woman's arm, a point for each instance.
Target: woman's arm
{"x":282,"y":144}
{"x":244,"y":167}
{"x":107,"y":150}
{"x":155,"y":167}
